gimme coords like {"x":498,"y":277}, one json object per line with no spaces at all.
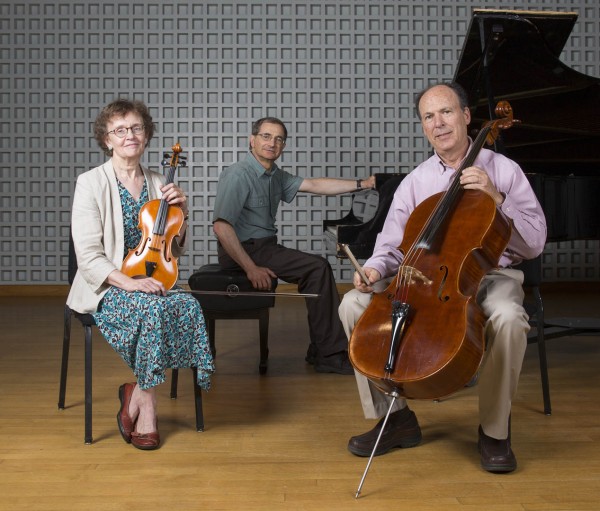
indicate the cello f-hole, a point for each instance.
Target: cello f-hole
{"x":444,"y":298}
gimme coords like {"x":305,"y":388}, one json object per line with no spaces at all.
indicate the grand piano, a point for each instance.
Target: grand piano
{"x":514,"y":56}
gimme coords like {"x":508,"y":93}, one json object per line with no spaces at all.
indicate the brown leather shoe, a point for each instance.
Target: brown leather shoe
{"x":126,"y":425}
{"x":496,"y":455}
{"x":145,"y":441}
{"x":401,"y":430}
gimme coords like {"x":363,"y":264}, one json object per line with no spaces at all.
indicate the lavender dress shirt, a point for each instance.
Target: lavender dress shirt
{"x":520,"y":206}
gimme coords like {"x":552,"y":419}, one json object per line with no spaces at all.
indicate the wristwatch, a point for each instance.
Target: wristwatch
{"x":358,"y":184}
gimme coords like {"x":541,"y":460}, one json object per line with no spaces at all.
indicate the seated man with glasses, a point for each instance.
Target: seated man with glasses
{"x":248,"y":195}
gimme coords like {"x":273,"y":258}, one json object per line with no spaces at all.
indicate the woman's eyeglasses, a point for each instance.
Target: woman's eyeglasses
{"x":136,"y":129}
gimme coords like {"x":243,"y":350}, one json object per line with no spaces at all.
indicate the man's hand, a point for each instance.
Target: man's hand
{"x":368,"y":182}
{"x":372,"y":274}
{"x":474,"y":178}
{"x":261,"y":278}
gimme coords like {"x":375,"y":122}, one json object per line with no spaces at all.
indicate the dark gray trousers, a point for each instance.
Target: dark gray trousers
{"x":312,"y":274}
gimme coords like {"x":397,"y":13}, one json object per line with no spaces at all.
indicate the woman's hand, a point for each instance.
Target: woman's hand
{"x":142,"y":284}
{"x":175,"y":196}
{"x":147,"y":285}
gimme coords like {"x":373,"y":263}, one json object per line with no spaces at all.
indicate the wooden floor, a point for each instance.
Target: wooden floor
{"x":278,"y":442}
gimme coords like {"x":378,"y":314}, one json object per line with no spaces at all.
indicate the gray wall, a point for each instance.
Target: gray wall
{"x":342,"y":74}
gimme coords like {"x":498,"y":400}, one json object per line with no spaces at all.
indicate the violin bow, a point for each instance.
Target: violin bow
{"x":232,"y":291}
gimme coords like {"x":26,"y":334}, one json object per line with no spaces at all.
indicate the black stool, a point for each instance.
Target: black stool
{"x":211,"y":277}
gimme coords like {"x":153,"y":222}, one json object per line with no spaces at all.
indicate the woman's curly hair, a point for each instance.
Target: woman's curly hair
{"x":120,"y":108}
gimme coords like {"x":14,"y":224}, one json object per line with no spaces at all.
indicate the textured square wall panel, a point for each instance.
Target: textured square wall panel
{"x":341,"y":74}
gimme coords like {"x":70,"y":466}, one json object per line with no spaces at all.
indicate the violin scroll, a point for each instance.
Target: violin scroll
{"x":174,"y":160}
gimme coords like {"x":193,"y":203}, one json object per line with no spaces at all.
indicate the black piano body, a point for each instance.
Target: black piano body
{"x":514,"y":56}
{"x":359,"y":229}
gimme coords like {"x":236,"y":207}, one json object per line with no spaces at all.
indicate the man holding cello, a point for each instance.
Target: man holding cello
{"x":444,"y":114}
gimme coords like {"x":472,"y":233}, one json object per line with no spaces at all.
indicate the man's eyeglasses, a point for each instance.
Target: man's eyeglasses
{"x":267,"y":137}
{"x":136,"y":129}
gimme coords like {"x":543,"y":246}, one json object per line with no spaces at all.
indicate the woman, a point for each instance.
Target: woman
{"x":150,"y":330}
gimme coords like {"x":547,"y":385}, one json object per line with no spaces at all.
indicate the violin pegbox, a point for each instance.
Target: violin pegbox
{"x":174,"y":159}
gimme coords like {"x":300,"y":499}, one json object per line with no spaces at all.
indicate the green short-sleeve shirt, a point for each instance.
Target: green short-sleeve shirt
{"x":248,"y":197}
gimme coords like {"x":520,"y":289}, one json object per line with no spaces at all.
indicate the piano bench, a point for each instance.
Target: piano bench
{"x":211,"y":277}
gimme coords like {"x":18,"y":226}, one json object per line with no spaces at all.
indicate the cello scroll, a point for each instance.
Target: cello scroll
{"x":505,"y":120}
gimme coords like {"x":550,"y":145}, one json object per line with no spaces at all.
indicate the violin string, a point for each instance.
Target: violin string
{"x":164,"y":205}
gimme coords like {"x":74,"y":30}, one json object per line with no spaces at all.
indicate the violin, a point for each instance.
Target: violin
{"x":160,"y":224}
{"x":423,"y":337}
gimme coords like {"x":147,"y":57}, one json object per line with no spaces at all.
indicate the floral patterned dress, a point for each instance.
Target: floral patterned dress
{"x":153,"y":333}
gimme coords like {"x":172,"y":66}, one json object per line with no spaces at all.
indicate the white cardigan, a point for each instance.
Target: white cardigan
{"x":98,"y":236}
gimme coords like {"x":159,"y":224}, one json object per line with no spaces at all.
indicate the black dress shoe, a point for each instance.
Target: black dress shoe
{"x":337,"y":363}
{"x":496,"y":455}
{"x":401,"y":430}
{"x":311,"y":354}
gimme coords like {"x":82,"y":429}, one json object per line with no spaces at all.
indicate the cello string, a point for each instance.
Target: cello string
{"x":436,"y":217}
{"x":454,"y":191}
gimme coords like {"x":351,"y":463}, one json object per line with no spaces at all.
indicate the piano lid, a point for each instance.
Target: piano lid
{"x":514,"y":55}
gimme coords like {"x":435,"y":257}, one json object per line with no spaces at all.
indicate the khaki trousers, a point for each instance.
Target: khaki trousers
{"x":501,"y":299}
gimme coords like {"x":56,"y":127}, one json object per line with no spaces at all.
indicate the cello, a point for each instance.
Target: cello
{"x":423,"y":337}
{"x":159,"y":223}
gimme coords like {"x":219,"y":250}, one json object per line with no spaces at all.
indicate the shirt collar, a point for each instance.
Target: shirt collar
{"x":443,"y":167}
{"x":258,"y":168}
